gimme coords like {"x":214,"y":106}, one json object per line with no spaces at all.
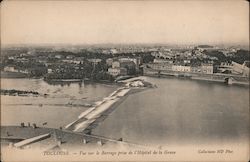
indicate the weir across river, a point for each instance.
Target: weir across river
{"x":93,"y":113}
{"x":89,"y":118}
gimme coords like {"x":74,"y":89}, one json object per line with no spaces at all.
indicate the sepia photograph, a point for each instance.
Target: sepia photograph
{"x":131,"y":80}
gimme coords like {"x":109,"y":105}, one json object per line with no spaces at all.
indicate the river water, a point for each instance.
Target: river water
{"x":56,"y":109}
{"x":178,"y":111}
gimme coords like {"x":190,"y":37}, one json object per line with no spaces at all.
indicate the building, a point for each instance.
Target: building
{"x":187,"y":61}
{"x":195,"y":69}
{"x":117,"y":71}
{"x":241,"y":68}
{"x":72,"y":61}
{"x":136,"y":60}
{"x":95,"y":61}
{"x":70,"y":57}
{"x":58,"y":56}
{"x":207,"y":68}
{"x":25,"y":71}
{"x":10,"y":69}
{"x":246,"y":71}
{"x":157,"y":60}
{"x":113,"y":51}
{"x":109,"y":61}
{"x":246,"y":66}
{"x":169,"y":67}
{"x":129,"y":65}
{"x":160,"y":66}
{"x":50,"y":71}
{"x":181,"y":68}
{"x":23,"y":60}
{"x":116,"y":64}
{"x":13,"y":69}
{"x":225,"y":67}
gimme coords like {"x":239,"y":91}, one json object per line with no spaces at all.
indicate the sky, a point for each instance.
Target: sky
{"x":88,"y":22}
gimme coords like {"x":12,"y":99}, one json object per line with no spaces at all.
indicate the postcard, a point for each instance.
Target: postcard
{"x":124,"y":80}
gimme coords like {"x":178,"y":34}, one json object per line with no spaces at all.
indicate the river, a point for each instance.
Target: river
{"x":59,"y":108}
{"x":181,"y":111}
{"x":178,"y":111}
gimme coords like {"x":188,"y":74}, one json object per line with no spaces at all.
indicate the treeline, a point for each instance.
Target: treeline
{"x":18,"y":92}
{"x":146,"y":56}
{"x":240,"y":56}
{"x":33,"y":67}
{"x":85,"y":70}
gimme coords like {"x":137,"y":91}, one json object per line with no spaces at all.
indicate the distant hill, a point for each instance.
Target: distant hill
{"x":204,"y":46}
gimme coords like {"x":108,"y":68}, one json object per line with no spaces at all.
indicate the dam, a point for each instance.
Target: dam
{"x":91,"y":116}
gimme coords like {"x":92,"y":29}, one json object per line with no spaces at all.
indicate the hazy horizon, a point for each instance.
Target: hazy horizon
{"x":124,"y":22}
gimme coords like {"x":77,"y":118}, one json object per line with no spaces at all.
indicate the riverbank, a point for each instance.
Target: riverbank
{"x":7,"y":74}
{"x":229,"y":79}
{"x":14,"y":92}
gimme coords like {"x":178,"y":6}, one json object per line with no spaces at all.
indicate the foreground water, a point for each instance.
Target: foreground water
{"x":176,"y":112}
{"x":62,"y":105}
{"x":181,"y":112}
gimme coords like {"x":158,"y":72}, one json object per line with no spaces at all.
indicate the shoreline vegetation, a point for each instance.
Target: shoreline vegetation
{"x":14,"y":92}
{"x":214,"y":78}
{"x":8,"y":74}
